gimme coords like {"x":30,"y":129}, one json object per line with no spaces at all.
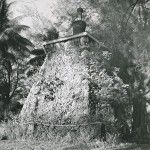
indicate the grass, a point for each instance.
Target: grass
{"x":16,"y":140}
{"x":47,"y":145}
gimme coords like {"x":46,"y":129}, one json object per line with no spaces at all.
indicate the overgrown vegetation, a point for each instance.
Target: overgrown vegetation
{"x":13,"y":48}
{"x":118,"y":90}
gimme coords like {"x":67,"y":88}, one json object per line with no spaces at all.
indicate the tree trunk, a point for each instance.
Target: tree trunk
{"x":6,"y":106}
{"x":139,"y":124}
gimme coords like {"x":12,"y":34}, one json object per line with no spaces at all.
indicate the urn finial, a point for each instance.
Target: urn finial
{"x":80,"y":12}
{"x":79,"y":25}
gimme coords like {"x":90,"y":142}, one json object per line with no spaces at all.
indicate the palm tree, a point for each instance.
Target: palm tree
{"x":11,"y":42}
{"x":12,"y":47}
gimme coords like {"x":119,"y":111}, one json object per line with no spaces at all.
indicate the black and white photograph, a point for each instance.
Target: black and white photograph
{"x":74,"y":74}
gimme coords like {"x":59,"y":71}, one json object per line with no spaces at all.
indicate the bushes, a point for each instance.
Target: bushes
{"x":11,"y":129}
{"x":53,"y":138}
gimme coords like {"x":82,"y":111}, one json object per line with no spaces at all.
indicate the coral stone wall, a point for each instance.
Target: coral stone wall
{"x":61,"y":92}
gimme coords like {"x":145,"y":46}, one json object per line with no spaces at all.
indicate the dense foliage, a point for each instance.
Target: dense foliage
{"x":119,"y":90}
{"x":13,"y":48}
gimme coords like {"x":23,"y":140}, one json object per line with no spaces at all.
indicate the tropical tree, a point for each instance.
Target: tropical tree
{"x":124,"y":28}
{"x":129,"y":22}
{"x":13,"y":48}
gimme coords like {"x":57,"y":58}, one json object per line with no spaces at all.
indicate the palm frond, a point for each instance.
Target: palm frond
{"x":16,"y":28}
{"x":10,"y":4}
{"x":18,"y":39}
{"x":16,"y":42}
{"x":20,"y":51}
{"x":16,"y":20}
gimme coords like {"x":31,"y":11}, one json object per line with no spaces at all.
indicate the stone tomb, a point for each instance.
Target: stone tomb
{"x":61,"y":93}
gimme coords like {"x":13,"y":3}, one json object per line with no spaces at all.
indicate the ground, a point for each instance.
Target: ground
{"x":41,"y":145}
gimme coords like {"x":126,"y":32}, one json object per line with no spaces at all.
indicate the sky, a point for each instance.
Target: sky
{"x":42,"y":6}
{"x":49,"y":11}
